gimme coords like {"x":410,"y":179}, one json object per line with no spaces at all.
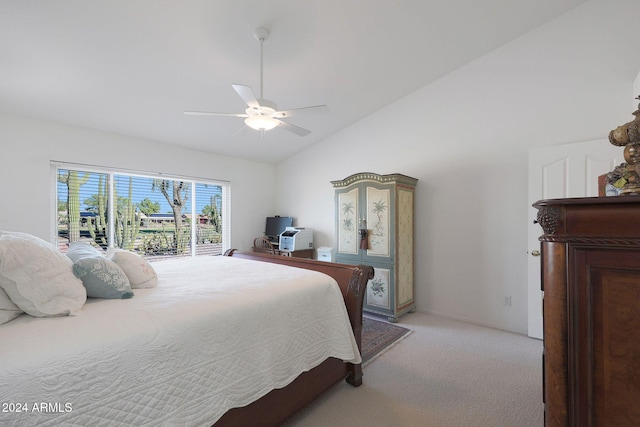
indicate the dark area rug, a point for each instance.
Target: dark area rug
{"x":378,"y":336}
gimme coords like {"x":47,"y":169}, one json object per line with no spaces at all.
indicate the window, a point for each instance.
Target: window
{"x":153,"y":215}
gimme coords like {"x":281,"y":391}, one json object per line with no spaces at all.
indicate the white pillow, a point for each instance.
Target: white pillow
{"x":140,"y":273}
{"x":38,"y":277}
{"x":78,"y":250}
{"x":8,"y":310}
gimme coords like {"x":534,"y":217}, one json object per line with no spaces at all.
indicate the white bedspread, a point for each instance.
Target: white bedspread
{"x":216,"y":333}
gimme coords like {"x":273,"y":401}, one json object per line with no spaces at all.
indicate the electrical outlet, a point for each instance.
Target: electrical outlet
{"x":507,"y":301}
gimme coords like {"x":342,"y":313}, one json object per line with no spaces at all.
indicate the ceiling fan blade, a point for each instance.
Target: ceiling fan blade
{"x":207,"y":113}
{"x":247,"y":95}
{"x":293,"y":128}
{"x":316,"y":109}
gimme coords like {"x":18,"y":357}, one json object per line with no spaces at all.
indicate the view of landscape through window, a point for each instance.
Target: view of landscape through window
{"x":153,"y":216}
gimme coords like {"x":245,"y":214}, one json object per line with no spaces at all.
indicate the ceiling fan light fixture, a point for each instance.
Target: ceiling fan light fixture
{"x":261,"y":122}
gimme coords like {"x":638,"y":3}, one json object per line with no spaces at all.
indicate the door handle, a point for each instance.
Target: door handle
{"x":535,"y":252}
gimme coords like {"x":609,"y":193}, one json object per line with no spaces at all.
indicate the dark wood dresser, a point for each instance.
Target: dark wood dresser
{"x":591,"y":282}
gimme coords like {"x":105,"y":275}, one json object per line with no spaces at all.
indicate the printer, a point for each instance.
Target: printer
{"x":296,"y":239}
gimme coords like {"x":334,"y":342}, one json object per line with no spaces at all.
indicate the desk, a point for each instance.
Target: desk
{"x":274,"y":248}
{"x":303,"y":253}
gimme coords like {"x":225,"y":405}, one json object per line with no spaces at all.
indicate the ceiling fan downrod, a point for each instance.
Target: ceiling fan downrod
{"x":261,"y":35}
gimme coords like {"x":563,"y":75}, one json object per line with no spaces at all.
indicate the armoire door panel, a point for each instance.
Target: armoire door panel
{"x":605,"y":314}
{"x":379,"y":294}
{"x":348,"y":214}
{"x":378,"y":221}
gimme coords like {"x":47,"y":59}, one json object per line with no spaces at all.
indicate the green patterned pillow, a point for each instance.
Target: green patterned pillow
{"x":101,"y":277}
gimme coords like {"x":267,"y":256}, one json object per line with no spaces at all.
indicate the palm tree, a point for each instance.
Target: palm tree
{"x":379,"y":209}
{"x":347,"y":211}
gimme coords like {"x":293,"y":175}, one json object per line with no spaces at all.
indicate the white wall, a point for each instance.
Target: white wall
{"x":28,"y":146}
{"x":465,"y":137}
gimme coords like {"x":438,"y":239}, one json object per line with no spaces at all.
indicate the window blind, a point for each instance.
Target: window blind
{"x":154,"y":215}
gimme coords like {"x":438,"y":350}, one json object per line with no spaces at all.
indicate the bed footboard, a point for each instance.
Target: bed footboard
{"x":278,"y":405}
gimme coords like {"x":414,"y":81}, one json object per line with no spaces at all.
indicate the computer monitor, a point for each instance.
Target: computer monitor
{"x":276,"y":225}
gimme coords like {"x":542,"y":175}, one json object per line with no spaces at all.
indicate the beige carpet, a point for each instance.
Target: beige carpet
{"x":446,"y":373}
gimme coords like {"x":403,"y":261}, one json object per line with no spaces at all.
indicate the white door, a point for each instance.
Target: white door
{"x":560,"y":171}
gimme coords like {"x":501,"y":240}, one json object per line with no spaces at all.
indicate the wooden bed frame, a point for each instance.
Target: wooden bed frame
{"x":280,"y":404}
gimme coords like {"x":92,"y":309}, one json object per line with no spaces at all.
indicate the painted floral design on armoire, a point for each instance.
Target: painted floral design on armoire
{"x":383,"y":205}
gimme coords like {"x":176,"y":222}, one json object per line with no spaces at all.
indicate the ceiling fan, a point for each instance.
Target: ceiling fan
{"x":262,"y":114}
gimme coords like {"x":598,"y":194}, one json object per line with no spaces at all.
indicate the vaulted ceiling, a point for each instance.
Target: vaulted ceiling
{"x":131,"y":67}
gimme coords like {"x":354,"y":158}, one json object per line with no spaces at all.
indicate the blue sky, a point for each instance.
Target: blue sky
{"x":141,"y":189}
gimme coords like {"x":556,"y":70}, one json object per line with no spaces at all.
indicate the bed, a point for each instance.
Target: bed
{"x":244,"y":339}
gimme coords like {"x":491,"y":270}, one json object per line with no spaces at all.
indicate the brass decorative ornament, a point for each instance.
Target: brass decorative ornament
{"x":628,"y":136}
